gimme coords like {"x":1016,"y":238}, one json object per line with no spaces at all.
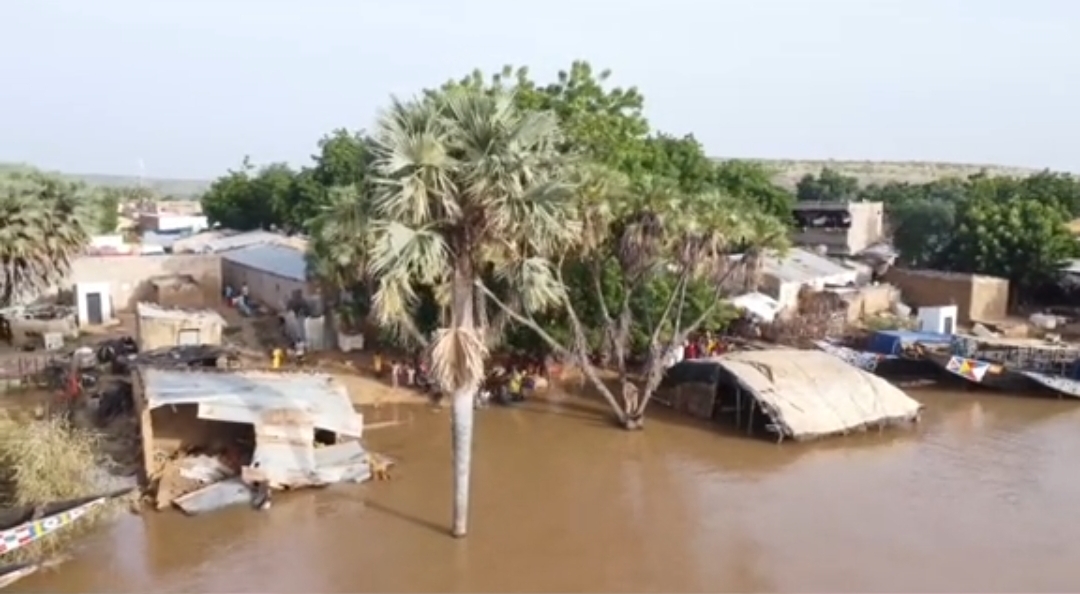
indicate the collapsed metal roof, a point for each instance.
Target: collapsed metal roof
{"x":249,"y":396}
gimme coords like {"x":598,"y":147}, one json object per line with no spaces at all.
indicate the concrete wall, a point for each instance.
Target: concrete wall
{"x":163,"y":332}
{"x":129,"y":276}
{"x":868,"y":301}
{"x":867,"y":228}
{"x":270,"y":290}
{"x":976,"y":297}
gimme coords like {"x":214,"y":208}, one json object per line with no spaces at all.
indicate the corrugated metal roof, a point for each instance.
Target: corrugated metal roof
{"x":802,"y":266}
{"x":278,"y":260}
{"x":242,"y":240}
{"x":243,"y":397}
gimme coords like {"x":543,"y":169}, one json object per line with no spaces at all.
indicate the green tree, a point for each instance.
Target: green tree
{"x":108,"y":205}
{"x":465,"y":182}
{"x":39,"y":233}
{"x":828,"y":186}
{"x":753,"y":182}
{"x":1001,"y":230}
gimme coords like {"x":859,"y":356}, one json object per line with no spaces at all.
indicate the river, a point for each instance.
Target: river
{"x":981,"y":496}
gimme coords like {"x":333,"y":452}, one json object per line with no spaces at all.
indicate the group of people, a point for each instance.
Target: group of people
{"x":413,"y":374}
{"x":696,"y":347}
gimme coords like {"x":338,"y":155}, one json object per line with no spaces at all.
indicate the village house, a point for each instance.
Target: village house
{"x":158,"y":327}
{"x":844,"y":228}
{"x":275,"y":275}
{"x":976,"y":297}
{"x":783,"y":277}
{"x":165,"y":222}
{"x":178,"y":291}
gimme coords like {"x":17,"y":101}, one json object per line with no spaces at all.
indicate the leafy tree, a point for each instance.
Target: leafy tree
{"x":656,"y":250}
{"x":829,"y":186}
{"x":1002,"y":230}
{"x":753,"y":182}
{"x":342,"y":160}
{"x":464,"y":182}
{"x":39,"y":233}
{"x":108,"y":204}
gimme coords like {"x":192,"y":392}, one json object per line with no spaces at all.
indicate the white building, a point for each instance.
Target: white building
{"x":783,"y":277}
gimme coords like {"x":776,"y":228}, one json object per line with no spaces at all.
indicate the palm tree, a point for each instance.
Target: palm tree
{"x":466,"y":185}
{"x":40,"y":234}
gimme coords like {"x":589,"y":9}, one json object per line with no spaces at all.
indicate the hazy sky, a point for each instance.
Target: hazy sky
{"x":191,"y":86}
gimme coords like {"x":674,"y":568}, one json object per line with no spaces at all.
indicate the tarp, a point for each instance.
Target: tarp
{"x":812,"y":393}
{"x":758,"y":304}
{"x":893,"y":342}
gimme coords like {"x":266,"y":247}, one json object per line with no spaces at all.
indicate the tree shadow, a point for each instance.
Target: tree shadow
{"x":395,"y":513}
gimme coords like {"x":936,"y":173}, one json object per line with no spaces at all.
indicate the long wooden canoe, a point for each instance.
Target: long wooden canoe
{"x":23,"y":525}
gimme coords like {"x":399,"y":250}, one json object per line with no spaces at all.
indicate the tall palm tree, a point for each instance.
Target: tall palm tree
{"x":40,"y":234}
{"x":465,"y":185}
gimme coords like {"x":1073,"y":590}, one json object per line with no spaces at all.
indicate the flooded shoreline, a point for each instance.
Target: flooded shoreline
{"x":979,"y":496}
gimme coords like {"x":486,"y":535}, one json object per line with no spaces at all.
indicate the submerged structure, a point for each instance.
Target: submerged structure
{"x":789,"y":393}
{"x":209,"y":435}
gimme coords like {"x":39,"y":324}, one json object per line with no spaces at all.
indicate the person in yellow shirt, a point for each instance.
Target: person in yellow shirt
{"x":277,"y":357}
{"x":515,"y":385}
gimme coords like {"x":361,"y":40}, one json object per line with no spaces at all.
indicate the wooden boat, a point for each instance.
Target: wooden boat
{"x":1022,"y":363}
{"x":887,"y":366}
{"x":20,"y":526}
{"x":983,"y":373}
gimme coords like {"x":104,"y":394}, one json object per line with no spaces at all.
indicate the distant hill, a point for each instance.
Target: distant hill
{"x":183,"y":189}
{"x":788,"y":173}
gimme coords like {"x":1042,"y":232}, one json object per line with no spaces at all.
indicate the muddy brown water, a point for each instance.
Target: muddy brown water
{"x":984,"y":495}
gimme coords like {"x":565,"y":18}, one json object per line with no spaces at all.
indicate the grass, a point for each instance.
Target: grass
{"x":43,"y":461}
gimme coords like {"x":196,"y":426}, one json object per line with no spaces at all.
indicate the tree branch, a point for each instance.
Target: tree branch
{"x":581,"y":349}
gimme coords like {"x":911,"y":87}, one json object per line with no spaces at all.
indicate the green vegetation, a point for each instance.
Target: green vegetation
{"x":42,"y":461}
{"x":1003,"y":226}
{"x":40,"y":233}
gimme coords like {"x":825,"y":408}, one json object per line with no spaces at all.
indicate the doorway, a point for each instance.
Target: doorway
{"x":188,"y":337}
{"x":948,"y":324}
{"x":94,"y":314}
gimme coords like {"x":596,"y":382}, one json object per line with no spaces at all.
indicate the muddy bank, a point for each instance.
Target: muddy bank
{"x":977,"y":497}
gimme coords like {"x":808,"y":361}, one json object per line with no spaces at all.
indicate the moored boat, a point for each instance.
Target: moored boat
{"x":20,"y":526}
{"x":979,"y":372}
{"x":891,"y":354}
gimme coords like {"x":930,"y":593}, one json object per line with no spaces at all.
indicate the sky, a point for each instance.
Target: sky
{"x":186,"y":88}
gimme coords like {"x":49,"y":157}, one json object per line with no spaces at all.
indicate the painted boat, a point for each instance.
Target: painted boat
{"x":888,"y":366}
{"x":23,"y":525}
{"x":983,"y":373}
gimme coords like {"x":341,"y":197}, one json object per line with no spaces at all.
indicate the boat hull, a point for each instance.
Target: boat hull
{"x":887,"y":366}
{"x":983,"y":373}
{"x":1063,"y":386}
{"x":24,"y":525}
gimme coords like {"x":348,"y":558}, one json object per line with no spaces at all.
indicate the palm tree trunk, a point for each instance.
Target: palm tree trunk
{"x":461,"y":419}
{"x":461,"y":409}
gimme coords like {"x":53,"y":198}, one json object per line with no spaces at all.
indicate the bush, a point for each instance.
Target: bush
{"x":43,"y":461}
